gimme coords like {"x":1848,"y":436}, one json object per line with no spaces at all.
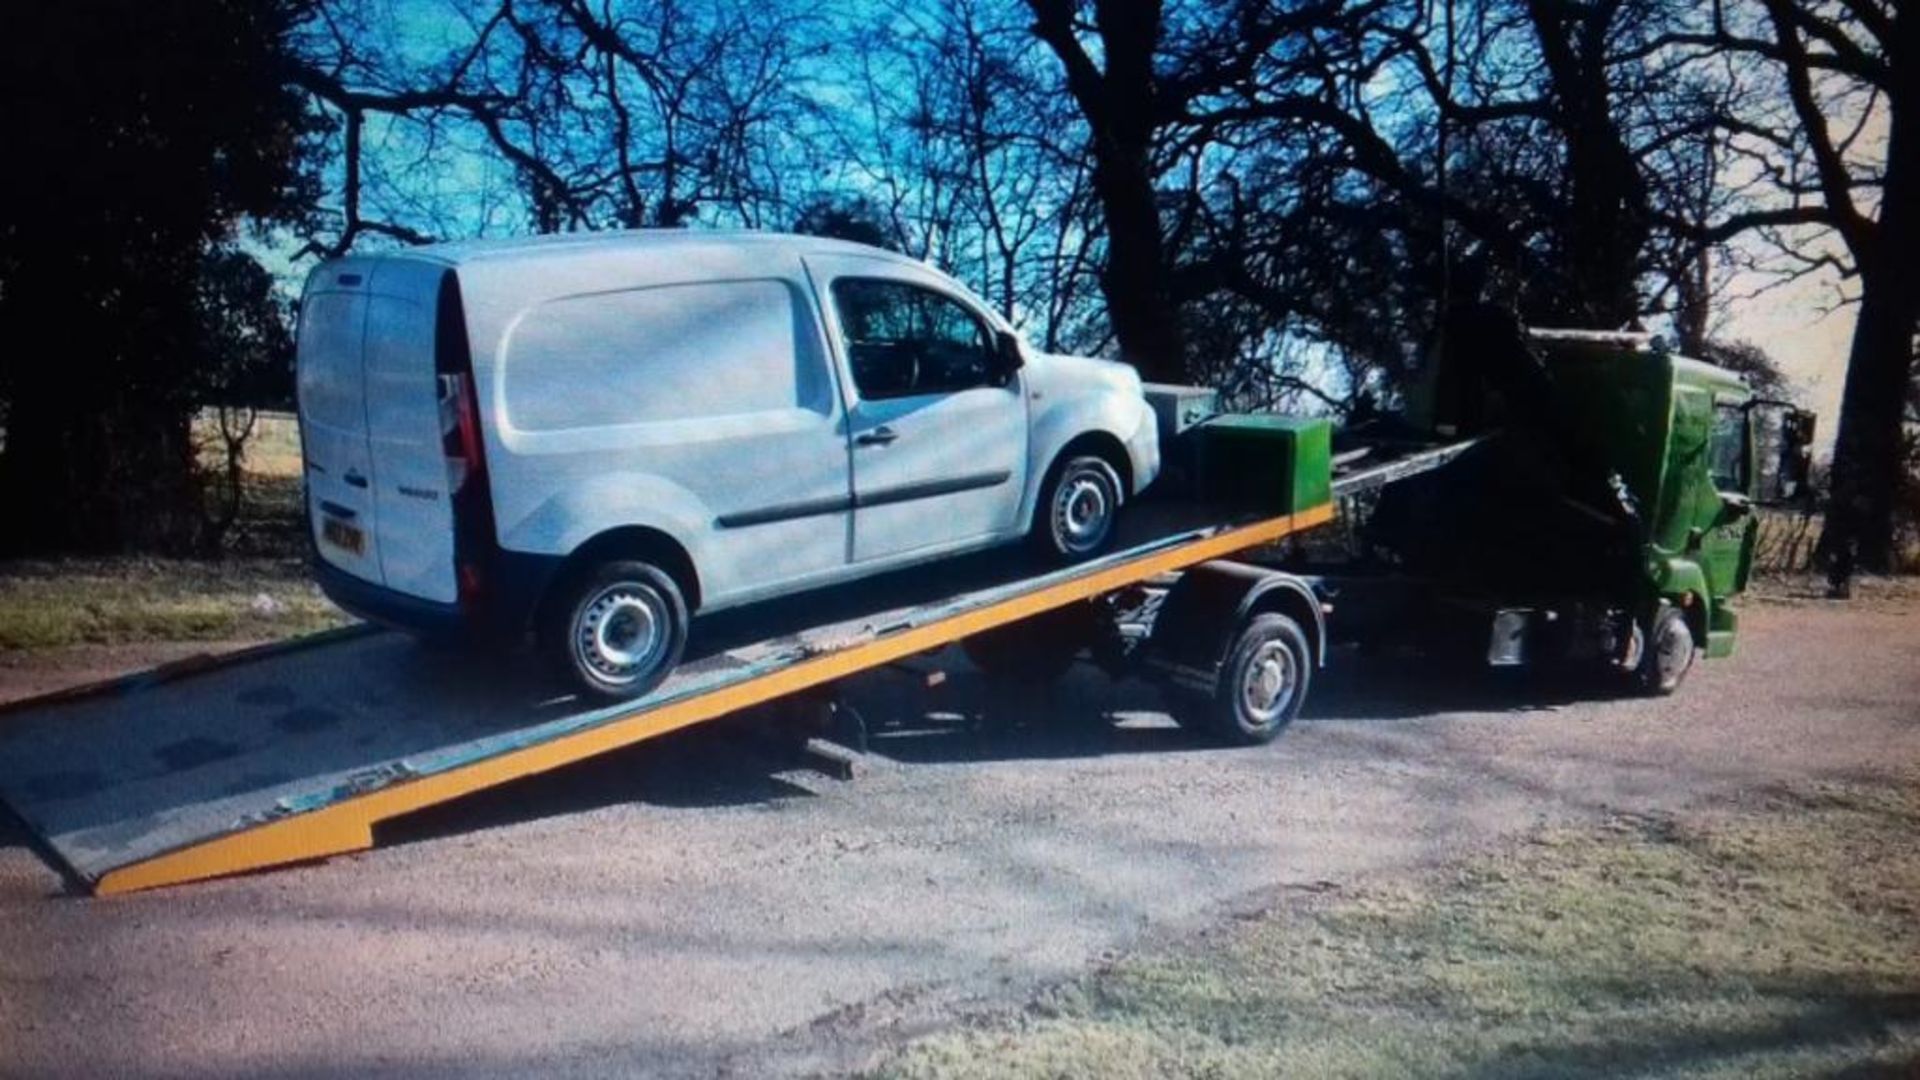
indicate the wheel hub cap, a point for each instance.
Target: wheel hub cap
{"x":1082,"y":512}
{"x":1268,"y":684}
{"x":1676,"y":647}
{"x":621,"y":633}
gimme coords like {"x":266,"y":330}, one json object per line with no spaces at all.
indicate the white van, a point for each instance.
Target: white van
{"x":593,"y":436}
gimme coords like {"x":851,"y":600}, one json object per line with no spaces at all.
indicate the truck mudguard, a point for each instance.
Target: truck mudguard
{"x":1210,"y":602}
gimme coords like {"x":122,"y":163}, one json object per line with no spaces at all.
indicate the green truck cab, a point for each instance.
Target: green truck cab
{"x":1609,"y":513}
{"x":1698,"y":451}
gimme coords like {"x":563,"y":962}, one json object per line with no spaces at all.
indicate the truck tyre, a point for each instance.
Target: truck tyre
{"x":1079,"y":504}
{"x":1261,"y":686}
{"x":1038,"y":649}
{"x":1668,"y":654}
{"x":617,"y":629}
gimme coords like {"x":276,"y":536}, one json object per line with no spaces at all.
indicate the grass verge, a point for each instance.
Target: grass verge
{"x":1782,"y":940}
{"x":259,"y":591}
{"x":123,"y":601}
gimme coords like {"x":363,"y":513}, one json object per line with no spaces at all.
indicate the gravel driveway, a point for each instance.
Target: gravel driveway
{"x":672,"y":911}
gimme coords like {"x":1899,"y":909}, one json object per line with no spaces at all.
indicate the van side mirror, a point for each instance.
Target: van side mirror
{"x":1006,"y":355}
{"x":1783,"y":437}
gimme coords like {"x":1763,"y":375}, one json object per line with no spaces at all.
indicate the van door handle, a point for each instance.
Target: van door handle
{"x":879,"y":436}
{"x":354,"y":479}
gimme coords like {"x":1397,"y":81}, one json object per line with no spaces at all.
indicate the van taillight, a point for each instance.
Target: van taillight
{"x":459,"y":430}
{"x":461,"y":445}
{"x":470,"y":581}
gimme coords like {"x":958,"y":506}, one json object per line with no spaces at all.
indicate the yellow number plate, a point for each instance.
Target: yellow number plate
{"x":342,"y":535}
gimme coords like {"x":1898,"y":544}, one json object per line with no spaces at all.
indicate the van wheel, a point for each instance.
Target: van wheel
{"x":1668,"y":654}
{"x":1078,"y":507}
{"x":617,"y":630}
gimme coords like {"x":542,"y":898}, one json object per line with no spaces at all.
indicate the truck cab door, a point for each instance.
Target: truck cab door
{"x":1726,"y":545}
{"x":1782,"y":437}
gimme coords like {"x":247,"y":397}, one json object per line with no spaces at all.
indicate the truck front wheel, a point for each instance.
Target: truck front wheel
{"x":1668,"y":654}
{"x":1261,"y":685}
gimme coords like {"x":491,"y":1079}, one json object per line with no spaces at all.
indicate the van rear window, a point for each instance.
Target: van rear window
{"x":672,"y":352}
{"x":332,"y":385}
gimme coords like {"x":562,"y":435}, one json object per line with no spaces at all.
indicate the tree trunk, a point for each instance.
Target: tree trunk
{"x":1135,"y":280}
{"x":1607,"y":222}
{"x":1866,"y":455}
{"x":1121,"y":110}
{"x":1609,"y":229}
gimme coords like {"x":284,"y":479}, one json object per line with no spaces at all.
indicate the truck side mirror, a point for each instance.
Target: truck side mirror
{"x":1784,"y":436}
{"x":1006,"y":355}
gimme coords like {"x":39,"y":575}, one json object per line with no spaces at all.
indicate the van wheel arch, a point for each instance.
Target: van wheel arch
{"x":631,"y":542}
{"x":1108,"y":447}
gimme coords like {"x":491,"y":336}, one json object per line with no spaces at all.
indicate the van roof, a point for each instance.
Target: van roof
{"x":652,"y":240}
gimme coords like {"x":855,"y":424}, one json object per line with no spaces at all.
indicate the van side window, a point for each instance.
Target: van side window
{"x":1727,"y":449}
{"x":904,"y":340}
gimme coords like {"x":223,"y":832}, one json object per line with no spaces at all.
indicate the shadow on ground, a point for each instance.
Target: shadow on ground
{"x":1810,"y":1016}
{"x":967,"y":718}
{"x":13,"y":834}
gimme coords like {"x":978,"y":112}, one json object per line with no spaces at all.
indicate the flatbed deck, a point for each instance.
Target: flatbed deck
{"x":297,"y":751}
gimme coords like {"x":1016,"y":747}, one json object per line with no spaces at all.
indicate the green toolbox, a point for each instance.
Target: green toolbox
{"x":1266,"y":463}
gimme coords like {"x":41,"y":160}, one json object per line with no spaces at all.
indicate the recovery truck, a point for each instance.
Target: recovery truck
{"x":1591,"y":512}
{"x":1565,"y":498}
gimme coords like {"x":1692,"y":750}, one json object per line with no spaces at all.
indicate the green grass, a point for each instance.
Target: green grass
{"x":125,"y":601}
{"x":1783,"y":941}
{"x":259,"y":590}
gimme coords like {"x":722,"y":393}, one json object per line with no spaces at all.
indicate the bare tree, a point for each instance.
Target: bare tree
{"x":1122,"y":109}
{"x":963,"y":144}
{"x":1336,"y":172}
{"x":1842,"y":154}
{"x":606,"y":114}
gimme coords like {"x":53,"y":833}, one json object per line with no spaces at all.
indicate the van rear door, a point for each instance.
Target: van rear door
{"x":333,"y":418}
{"x":373,"y":424}
{"x":409,"y":416}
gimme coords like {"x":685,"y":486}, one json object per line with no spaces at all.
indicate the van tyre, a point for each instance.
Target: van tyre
{"x":1668,"y":653}
{"x":1260,"y":688}
{"x":617,"y":630}
{"x":1078,"y":509}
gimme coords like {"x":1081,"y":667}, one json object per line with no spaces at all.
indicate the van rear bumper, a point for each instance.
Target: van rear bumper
{"x":390,"y":607}
{"x":514,"y":585}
